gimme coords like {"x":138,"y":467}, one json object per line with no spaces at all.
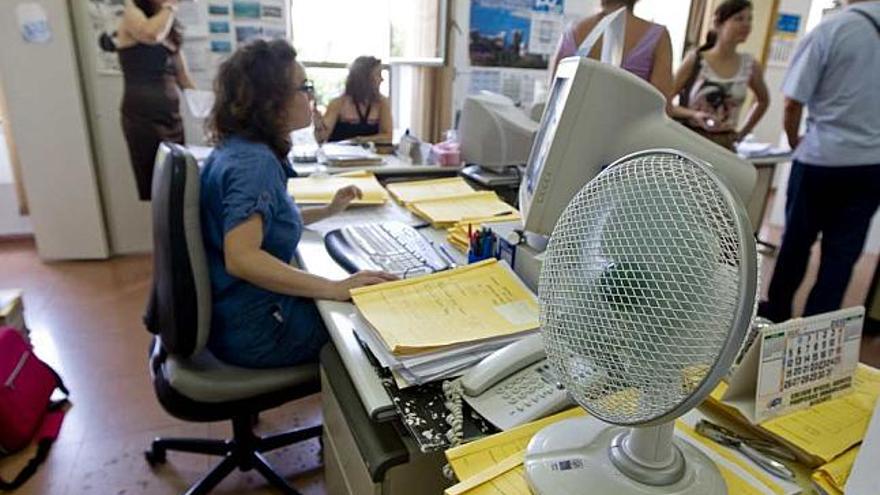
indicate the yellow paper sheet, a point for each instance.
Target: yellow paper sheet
{"x":833,"y":475}
{"x":829,"y":429}
{"x":493,"y":465}
{"x":422,"y":190}
{"x":446,"y":212}
{"x":466,"y":304}
{"x":320,"y":189}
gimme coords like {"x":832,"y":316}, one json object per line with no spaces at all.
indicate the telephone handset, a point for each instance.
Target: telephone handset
{"x":514,"y":385}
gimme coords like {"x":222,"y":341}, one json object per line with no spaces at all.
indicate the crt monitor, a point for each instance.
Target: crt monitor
{"x":596,"y":114}
{"x":494,"y":132}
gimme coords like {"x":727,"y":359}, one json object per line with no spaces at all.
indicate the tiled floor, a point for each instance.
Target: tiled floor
{"x":85,"y":318}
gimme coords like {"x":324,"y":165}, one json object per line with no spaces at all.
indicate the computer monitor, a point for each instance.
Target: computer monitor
{"x":596,"y":114}
{"x":494,"y":133}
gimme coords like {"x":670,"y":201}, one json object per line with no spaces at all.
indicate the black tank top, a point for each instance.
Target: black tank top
{"x":346,"y":130}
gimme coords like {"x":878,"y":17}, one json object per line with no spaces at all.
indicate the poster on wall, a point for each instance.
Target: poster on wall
{"x":514,"y":33}
{"x":212,"y":29}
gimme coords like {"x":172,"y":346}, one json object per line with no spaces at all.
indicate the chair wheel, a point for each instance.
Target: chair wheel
{"x":155,"y":457}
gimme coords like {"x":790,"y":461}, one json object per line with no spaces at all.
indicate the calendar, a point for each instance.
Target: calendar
{"x":797,"y":364}
{"x":807,"y":360}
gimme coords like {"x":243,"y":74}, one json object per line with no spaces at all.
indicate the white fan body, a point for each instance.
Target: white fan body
{"x":571,"y":457}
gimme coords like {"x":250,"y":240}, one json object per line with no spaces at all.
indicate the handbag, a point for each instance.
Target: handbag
{"x":27,"y":412}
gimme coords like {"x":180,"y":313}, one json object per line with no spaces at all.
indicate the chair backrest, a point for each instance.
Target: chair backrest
{"x":181,"y":303}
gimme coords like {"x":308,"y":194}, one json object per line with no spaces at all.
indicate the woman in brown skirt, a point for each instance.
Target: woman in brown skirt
{"x":148,"y":44}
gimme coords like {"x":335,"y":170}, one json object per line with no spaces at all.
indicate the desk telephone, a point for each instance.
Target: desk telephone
{"x":514,"y":385}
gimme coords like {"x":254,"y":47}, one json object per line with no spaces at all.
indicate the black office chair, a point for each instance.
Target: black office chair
{"x":190,"y":382}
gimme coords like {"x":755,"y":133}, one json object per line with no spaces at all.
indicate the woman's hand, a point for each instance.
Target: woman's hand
{"x":705,"y":120}
{"x":343,"y":198}
{"x":342,"y":288}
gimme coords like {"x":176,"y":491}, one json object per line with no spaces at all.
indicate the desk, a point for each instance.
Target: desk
{"x":757,"y":205}
{"x":392,"y":166}
{"x":366,"y":450}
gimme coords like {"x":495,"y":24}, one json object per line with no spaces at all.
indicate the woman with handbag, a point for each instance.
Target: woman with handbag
{"x":713,"y":81}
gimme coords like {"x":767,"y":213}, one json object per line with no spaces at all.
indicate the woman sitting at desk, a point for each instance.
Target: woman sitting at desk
{"x":361,"y":113}
{"x":263,"y":313}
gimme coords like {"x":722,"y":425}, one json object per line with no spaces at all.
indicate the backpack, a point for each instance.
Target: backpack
{"x":26,"y":411}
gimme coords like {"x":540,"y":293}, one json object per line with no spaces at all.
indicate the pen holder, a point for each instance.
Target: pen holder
{"x":483,"y":245}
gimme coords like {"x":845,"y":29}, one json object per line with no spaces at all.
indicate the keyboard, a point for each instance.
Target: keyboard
{"x":393,"y":247}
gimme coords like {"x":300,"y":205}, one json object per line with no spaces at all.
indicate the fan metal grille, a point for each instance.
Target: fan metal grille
{"x":642,"y":288}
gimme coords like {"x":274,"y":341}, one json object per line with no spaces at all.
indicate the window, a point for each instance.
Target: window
{"x":405,"y":34}
{"x":396,"y":31}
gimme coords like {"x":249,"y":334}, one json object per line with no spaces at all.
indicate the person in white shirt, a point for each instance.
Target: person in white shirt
{"x":834,"y":188}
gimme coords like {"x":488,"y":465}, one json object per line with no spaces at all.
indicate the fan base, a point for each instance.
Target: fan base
{"x":571,"y":456}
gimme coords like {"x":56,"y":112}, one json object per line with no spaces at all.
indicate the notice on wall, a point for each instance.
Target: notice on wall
{"x":784,"y":40}
{"x":33,"y":23}
{"x":514,"y":33}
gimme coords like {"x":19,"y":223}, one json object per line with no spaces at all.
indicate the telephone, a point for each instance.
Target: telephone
{"x":514,"y":385}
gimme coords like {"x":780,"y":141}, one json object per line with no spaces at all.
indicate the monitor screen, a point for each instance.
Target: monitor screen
{"x":549,"y":122}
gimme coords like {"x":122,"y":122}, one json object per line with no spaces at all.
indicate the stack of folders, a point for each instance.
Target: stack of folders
{"x":319,"y":189}
{"x":407,"y":193}
{"x":342,"y":155}
{"x":446,"y":212}
{"x":436,"y":326}
{"x":494,"y":465}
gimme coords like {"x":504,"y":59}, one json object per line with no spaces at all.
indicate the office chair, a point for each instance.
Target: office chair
{"x":190,"y":382}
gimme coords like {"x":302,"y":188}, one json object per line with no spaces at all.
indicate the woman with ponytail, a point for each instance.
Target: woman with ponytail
{"x":713,"y":81}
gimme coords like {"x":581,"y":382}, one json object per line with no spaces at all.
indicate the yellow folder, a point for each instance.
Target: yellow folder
{"x":320,"y":189}
{"x":494,"y":465}
{"x":421,"y":190}
{"x":821,"y":432}
{"x":467,"y":304}
{"x":446,"y":212}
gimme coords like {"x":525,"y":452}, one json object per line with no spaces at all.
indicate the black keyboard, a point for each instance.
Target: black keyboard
{"x":393,"y":247}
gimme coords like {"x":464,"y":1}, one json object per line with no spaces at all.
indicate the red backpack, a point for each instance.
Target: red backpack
{"x":26,"y":410}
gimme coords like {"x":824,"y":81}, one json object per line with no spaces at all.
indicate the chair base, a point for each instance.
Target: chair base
{"x":244,"y":451}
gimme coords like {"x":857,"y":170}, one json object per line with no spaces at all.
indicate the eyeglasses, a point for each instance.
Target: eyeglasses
{"x":308,"y":87}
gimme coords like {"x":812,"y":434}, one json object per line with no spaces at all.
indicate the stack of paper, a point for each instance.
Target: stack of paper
{"x":822,"y":432}
{"x":406,"y":193}
{"x":435,"y":326}
{"x":320,"y":189}
{"x":341,"y":155}
{"x":831,"y":477}
{"x":446,"y":212}
{"x":494,"y":465}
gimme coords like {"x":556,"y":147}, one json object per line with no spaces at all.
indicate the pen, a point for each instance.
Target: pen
{"x":766,"y":462}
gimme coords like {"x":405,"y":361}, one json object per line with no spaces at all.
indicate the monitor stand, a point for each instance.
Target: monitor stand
{"x":491,"y":178}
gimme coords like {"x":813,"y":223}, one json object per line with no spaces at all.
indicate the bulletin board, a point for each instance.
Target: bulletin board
{"x":212,"y":29}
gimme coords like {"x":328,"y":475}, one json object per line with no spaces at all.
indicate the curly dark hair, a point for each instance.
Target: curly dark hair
{"x":252,"y":91}
{"x":359,"y":85}
{"x":149,"y":7}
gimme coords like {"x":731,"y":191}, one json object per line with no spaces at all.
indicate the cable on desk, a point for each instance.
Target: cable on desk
{"x":452,"y":391}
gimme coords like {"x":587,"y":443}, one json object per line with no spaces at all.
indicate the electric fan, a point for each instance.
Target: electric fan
{"x":647,"y":291}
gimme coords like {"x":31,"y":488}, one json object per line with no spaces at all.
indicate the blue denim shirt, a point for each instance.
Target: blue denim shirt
{"x":239,"y":179}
